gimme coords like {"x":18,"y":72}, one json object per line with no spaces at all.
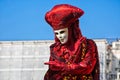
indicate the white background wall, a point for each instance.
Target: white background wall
{"x":24,"y":60}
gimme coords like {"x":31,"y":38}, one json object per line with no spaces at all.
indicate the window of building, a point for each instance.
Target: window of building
{"x":117,"y":46}
{"x":119,"y":62}
{"x":113,"y":76}
{"x":119,"y":76}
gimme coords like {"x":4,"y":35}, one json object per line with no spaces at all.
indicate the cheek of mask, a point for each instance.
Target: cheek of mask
{"x":63,"y":40}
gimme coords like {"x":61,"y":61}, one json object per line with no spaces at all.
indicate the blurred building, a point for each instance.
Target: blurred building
{"x":113,"y":61}
{"x":24,"y":60}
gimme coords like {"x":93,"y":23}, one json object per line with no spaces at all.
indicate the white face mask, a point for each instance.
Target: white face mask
{"x":62,"y":35}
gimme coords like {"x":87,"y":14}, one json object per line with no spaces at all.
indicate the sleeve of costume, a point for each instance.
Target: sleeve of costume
{"x":58,"y":66}
{"x":88,"y":62}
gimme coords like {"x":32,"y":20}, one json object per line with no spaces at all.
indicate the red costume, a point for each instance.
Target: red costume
{"x":78,"y":58}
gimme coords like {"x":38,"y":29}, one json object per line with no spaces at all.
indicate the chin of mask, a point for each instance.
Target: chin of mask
{"x":62,"y":35}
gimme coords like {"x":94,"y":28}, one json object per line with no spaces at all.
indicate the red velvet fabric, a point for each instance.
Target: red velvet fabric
{"x":75,"y":60}
{"x":60,"y":16}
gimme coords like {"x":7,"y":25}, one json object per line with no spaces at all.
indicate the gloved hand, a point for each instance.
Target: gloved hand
{"x":55,"y":63}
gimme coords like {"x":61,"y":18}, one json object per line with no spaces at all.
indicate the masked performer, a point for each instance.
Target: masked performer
{"x":72,"y":56}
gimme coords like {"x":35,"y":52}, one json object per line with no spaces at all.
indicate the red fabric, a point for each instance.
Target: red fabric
{"x":75,"y":60}
{"x":60,"y":16}
{"x":77,"y":65}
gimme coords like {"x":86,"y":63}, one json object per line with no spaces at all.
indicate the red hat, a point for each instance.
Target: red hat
{"x":62,"y":15}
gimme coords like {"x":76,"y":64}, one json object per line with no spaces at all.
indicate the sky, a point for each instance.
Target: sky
{"x":24,"y":19}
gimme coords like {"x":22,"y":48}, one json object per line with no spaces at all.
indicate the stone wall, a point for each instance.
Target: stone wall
{"x":102,"y":50}
{"x":24,"y":60}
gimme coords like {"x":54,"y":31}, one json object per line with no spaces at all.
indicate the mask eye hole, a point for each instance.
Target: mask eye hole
{"x":56,"y":33}
{"x":62,"y":32}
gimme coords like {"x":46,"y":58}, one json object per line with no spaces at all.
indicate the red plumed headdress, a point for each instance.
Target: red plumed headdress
{"x":62,"y":15}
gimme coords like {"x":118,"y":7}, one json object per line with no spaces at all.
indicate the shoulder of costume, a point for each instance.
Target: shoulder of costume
{"x":52,"y":45}
{"x":91,"y":42}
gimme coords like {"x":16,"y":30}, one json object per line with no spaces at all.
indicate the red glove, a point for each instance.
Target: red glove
{"x":54,"y":63}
